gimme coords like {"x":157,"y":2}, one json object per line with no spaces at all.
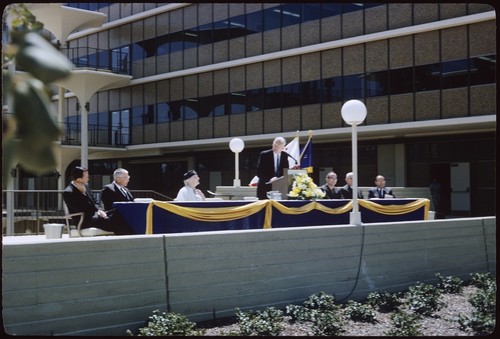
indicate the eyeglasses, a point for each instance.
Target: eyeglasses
{"x":331,"y":178}
{"x":123,"y":177}
{"x":349,"y":178}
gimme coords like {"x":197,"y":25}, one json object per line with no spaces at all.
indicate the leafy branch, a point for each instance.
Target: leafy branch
{"x":29,"y":133}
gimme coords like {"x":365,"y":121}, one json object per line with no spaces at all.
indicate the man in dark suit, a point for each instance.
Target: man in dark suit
{"x":78,"y":198}
{"x":380,"y":191}
{"x":270,"y":166}
{"x":329,"y":188}
{"x":117,"y":190}
{"x":346,"y":190}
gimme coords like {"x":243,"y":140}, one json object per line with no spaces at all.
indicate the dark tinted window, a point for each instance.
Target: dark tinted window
{"x":272,"y":18}
{"x":401,"y":80}
{"x":377,"y":83}
{"x":427,"y":77}
{"x":483,"y":70}
{"x":255,"y":22}
{"x":353,"y":87}
{"x":163,"y":112}
{"x":455,"y":73}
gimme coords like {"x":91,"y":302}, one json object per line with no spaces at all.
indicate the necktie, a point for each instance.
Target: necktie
{"x":380,"y":194}
{"x":124,"y":192}
{"x":277,"y":165}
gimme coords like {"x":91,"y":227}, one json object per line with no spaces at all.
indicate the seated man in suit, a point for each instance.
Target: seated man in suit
{"x":117,"y":190}
{"x":78,"y":198}
{"x":329,"y":188}
{"x":380,"y":191}
{"x":346,"y":190}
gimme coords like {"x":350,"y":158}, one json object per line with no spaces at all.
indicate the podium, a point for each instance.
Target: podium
{"x":284,"y":183}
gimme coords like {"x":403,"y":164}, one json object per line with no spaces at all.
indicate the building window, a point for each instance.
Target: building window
{"x":120,"y":127}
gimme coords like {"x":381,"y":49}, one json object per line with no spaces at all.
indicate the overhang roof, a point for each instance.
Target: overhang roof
{"x":62,"y":20}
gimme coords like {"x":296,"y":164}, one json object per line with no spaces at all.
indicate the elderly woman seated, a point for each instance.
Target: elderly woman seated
{"x":189,"y":192}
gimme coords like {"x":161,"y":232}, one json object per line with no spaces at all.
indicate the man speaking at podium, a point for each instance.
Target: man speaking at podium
{"x":270,"y":166}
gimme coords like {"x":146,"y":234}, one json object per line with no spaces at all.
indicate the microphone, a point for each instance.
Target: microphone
{"x":296,"y":162}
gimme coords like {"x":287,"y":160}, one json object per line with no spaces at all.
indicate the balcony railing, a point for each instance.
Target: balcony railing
{"x":99,"y":59}
{"x":98,"y":135}
{"x":25,"y":211}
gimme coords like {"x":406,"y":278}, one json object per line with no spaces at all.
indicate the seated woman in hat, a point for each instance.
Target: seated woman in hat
{"x":189,"y":192}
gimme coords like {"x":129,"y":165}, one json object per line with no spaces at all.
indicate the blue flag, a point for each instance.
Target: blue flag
{"x":306,"y":160}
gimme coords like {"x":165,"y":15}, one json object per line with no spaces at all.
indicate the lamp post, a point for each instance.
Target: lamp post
{"x":354,"y":113}
{"x":236,"y":145}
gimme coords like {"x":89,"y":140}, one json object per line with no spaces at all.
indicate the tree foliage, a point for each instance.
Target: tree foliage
{"x":30,"y":131}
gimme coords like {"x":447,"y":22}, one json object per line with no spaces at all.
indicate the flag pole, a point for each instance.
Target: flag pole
{"x":305,"y":147}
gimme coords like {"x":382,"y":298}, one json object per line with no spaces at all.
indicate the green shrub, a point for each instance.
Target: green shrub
{"x":405,"y":325}
{"x":359,"y":312}
{"x":384,"y":301}
{"x":483,"y":319}
{"x":450,"y":284}
{"x":300,"y":313}
{"x":268,"y":322}
{"x":320,"y":301}
{"x":328,"y":323}
{"x":485,"y":299}
{"x":482,"y":324}
{"x":314,"y":304}
{"x":167,"y":324}
{"x":481,"y":280}
{"x":329,"y":318}
{"x":423,"y":299}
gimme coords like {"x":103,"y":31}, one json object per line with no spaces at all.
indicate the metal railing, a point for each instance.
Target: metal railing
{"x":102,"y":135}
{"x":114,"y":61}
{"x":25,"y":211}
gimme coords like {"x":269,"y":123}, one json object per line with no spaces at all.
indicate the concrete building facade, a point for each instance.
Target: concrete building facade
{"x":204,"y":73}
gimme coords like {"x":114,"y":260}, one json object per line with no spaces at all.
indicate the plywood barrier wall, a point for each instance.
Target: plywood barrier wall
{"x":106,"y":285}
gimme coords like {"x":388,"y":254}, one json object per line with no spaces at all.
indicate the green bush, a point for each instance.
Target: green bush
{"x":328,"y":323}
{"x":167,"y":324}
{"x":450,"y":284}
{"x":481,"y":280}
{"x":320,"y":301}
{"x":300,"y":313}
{"x":423,"y":299}
{"x":360,"y":312}
{"x":313,"y":305}
{"x":483,"y":319}
{"x":405,"y":325}
{"x":268,"y":322}
{"x":481,"y":323}
{"x":329,"y":319}
{"x":485,"y":299}
{"x":384,"y":301}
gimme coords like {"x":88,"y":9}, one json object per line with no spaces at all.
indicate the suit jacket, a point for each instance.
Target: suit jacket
{"x":78,"y":202}
{"x":346,"y":192}
{"x":111,"y":193}
{"x":331,"y":194}
{"x":265,"y":171}
{"x":373,"y":193}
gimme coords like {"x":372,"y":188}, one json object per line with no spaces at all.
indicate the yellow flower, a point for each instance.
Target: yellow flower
{"x":304,"y":188}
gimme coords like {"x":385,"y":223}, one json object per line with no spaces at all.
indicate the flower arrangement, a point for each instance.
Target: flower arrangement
{"x":304,"y":188}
